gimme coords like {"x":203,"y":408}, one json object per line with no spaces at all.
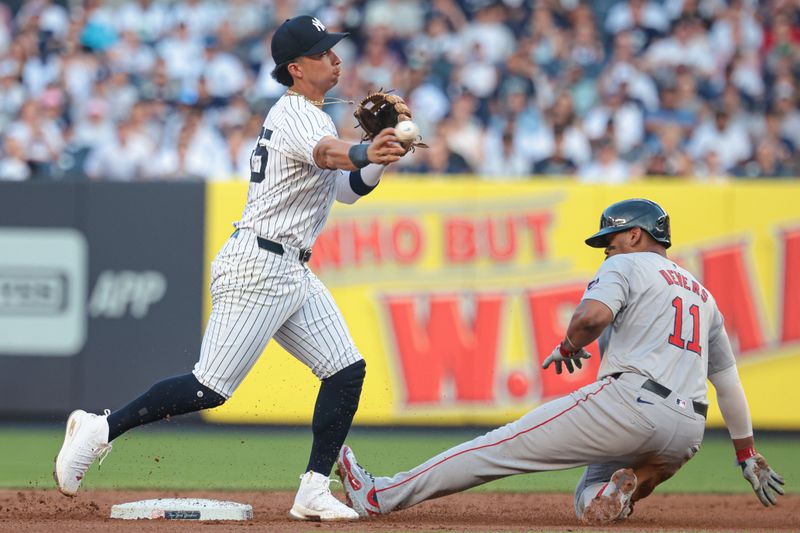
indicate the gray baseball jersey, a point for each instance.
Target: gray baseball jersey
{"x":654,"y":300}
{"x":667,"y":330}
{"x":258,"y":294}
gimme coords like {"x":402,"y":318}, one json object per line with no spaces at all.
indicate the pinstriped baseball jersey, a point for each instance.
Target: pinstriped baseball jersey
{"x":289,"y":196}
{"x":258,"y":294}
{"x":666,"y":325}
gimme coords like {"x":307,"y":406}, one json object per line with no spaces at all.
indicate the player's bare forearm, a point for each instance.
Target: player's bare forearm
{"x":591,"y":317}
{"x":333,"y":153}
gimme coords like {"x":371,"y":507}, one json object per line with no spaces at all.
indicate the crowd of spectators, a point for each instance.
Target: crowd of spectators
{"x":608,"y":91}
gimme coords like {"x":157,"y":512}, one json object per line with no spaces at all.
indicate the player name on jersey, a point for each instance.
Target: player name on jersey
{"x":676,"y":278}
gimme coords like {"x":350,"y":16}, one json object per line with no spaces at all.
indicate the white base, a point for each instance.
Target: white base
{"x":182,"y":509}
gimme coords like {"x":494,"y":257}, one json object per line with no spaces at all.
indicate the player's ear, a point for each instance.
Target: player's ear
{"x":635,"y":236}
{"x":295,"y":70}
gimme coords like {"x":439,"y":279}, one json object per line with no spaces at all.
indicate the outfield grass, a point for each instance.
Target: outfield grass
{"x":190,"y":457}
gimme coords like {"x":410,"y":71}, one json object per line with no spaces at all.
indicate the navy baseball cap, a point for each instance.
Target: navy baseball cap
{"x":302,"y":36}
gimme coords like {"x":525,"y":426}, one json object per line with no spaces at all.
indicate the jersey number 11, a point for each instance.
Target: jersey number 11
{"x":675,"y":338}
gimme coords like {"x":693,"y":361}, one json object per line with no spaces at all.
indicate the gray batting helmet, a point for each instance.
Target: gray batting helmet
{"x":632,"y":213}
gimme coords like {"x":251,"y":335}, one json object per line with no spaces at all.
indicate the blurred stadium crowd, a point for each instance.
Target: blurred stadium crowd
{"x":608,"y":91}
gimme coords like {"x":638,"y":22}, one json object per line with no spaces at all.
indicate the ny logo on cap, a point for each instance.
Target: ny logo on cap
{"x":317,"y":24}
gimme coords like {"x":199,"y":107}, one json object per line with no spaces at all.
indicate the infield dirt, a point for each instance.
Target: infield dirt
{"x":47,"y":510}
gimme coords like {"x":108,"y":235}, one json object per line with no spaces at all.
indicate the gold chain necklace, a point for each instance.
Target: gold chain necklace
{"x":319,"y":103}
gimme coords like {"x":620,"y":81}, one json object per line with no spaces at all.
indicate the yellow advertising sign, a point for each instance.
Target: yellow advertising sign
{"x":455,"y":291}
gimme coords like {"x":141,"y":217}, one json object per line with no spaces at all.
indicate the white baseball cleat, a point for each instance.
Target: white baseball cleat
{"x":86,"y":439}
{"x":615,"y":501}
{"x":315,"y":502}
{"x":359,"y":485}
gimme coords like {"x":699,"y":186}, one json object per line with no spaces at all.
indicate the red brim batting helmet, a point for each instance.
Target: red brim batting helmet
{"x":632,"y":213}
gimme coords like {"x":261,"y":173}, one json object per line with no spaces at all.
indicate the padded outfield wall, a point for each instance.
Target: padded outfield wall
{"x":100,"y":292}
{"x":455,"y":291}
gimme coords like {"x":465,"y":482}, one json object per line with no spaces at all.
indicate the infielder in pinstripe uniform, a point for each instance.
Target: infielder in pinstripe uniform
{"x":261,"y":287}
{"x":661,"y":335}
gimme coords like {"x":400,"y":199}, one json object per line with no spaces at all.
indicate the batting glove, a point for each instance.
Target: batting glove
{"x":562,"y":355}
{"x":765,"y":481}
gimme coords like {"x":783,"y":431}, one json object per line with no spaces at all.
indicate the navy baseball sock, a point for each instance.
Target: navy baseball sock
{"x":336,"y":406}
{"x":173,"y":396}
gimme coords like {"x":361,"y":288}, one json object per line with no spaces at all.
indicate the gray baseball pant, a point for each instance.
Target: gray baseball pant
{"x":609,"y":424}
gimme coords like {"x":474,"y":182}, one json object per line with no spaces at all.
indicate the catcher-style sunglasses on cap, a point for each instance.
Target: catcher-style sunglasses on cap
{"x":302,"y":36}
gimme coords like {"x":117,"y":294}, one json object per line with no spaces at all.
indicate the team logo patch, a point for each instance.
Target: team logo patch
{"x":592,"y":283}
{"x":317,"y":24}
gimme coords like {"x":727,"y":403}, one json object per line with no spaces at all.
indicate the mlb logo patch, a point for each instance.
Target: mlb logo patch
{"x":680,"y":403}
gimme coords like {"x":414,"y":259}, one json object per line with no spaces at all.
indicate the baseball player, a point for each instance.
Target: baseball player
{"x":261,"y":287}
{"x":661,"y":335}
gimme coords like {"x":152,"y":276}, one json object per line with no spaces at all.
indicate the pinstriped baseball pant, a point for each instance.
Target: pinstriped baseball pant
{"x":257,"y":295}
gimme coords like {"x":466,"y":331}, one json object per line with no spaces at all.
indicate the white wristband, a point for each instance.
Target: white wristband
{"x":371,"y":174}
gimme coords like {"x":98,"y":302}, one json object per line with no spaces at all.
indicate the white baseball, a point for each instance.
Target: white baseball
{"x":406,"y":131}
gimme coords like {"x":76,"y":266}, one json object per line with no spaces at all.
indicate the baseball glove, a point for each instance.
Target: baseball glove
{"x":381,"y":110}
